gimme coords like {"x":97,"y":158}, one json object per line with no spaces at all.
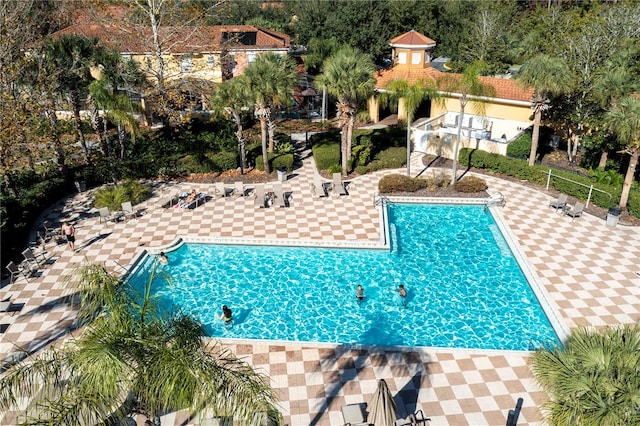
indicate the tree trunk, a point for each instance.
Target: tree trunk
{"x":347,"y":148}
{"x":457,"y":144}
{"x":603,"y":158}
{"x":122,"y":135}
{"x":628,"y":178}
{"x":343,"y":148}
{"x":241,"y":144}
{"x":271,"y":126}
{"x":535,"y":136}
{"x":408,"y":146}
{"x":75,"y":105}
{"x":265,"y":153}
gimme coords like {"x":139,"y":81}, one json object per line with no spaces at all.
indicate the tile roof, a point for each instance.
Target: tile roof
{"x":412,"y":38}
{"x":384,"y":77}
{"x":505,"y":88}
{"x":127,"y":39}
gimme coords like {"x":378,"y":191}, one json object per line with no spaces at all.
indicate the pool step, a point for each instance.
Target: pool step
{"x":393,"y":239}
{"x":499,"y":239}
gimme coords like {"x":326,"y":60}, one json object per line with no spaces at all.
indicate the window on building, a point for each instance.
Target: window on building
{"x":427,"y":58}
{"x":415,"y":58}
{"x":402,"y":57}
{"x":251,"y":57}
{"x":186,"y":65}
{"x":126,"y":56}
{"x":211,"y":61}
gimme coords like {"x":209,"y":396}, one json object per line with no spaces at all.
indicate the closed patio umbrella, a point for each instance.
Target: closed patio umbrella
{"x":382,"y":408}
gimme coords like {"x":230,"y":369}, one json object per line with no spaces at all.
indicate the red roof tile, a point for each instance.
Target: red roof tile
{"x":412,"y":75}
{"x":505,"y":88}
{"x":412,"y":38}
{"x":177,"y":39}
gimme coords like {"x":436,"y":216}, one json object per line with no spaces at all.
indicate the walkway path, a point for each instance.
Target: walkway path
{"x":586,"y":269}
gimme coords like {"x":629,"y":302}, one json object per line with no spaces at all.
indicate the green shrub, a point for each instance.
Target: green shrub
{"x":326,"y":155}
{"x":400,"y":183}
{"x":276,"y":161}
{"x":521,"y":147}
{"x":112,"y":196}
{"x":282,"y":144}
{"x":336,"y":168}
{"x":470,"y":184}
{"x":538,"y":174}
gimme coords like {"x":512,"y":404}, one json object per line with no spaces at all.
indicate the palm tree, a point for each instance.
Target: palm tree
{"x":348,"y":76}
{"x":229,"y":99}
{"x":594,"y":379}
{"x":118,"y":109}
{"x":71,"y":56}
{"x":132,"y":357}
{"x":270,"y":80}
{"x":547,"y":76}
{"x":411,"y":95}
{"x":624,"y":121}
{"x":467,"y":86}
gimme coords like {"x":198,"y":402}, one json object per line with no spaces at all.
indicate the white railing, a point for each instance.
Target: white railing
{"x":591,"y":188}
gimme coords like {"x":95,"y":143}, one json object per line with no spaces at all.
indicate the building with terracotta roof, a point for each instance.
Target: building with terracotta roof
{"x":504,"y":116}
{"x":200,"y":53}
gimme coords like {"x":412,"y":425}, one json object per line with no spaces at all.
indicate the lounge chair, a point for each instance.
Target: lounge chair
{"x":574,"y":211}
{"x":220,"y":190}
{"x":318,"y":186}
{"x":405,"y":416}
{"x":16,"y":270}
{"x":7,"y":306}
{"x":35,"y":259}
{"x":560,"y":203}
{"x":258,"y":192}
{"x":238,"y":189}
{"x":106,"y":215}
{"x":355,"y":414}
{"x":338,"y":185}
{"x":281,"y":200}
{"x":128,"y":211}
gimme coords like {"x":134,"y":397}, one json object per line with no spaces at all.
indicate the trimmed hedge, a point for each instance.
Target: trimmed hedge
{"x":400,"y":183}
{"x":470,"y":184}
{"x":538,"y":174}
{"x":276,"y":161}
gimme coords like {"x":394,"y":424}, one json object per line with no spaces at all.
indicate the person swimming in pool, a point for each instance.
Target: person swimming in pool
{"x":163,"y":258}
{"x":402,"y":293}
{"x":360,"y":293}
{"x":226,"y":315}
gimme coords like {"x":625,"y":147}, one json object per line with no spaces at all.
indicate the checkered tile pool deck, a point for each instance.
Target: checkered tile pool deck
{"x":586,"y":269}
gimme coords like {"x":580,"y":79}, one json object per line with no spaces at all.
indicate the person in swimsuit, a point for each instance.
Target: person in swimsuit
{"x":403,"y":294}
{"x":360,"y":293}
{"x":163,"y":258}
{"x":69,"y":233}
{"x":226,"y":315}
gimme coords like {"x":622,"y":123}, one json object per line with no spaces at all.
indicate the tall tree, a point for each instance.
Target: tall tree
{"x":593,"y":379}
{"x":71,"y":56}
{"x":467,"y":87}
{"x":547,"y":76}
{"x":624,"y":121}
{"x":170,"y":22}
{"x":347,"y":76}
{"x":132,"y":357}
{"x":411,"y":95}
{"x":270,"y":80}
{"x":616,"y":79}
{"x":229,"y":100}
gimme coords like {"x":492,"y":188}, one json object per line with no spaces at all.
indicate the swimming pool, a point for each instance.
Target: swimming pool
{"x":464,"y":287}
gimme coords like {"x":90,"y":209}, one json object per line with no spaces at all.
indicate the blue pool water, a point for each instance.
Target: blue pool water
{"x":464,"y":287}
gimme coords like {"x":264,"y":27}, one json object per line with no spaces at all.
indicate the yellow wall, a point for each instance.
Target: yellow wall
{"x":172,"y":63}
{"x":495,"y":110}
